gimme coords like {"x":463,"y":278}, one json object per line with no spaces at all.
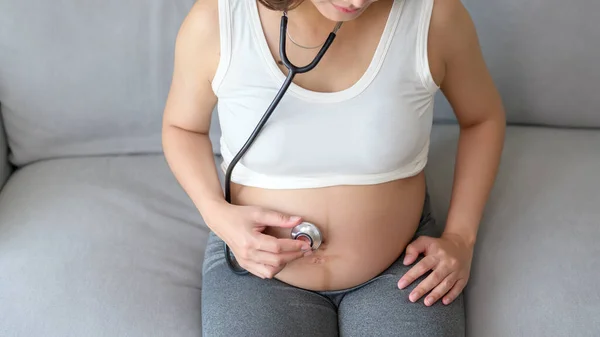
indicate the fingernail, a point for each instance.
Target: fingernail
{"x":406,"y":259}
{"x":428,"y":301}
{"x":413,"y":297}
{"x":402,"y":284}
{"x":294,"y":218}
{"x":309,"y":253}
{"x":305,"y":247}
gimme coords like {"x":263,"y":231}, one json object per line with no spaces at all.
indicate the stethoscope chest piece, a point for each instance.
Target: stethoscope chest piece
{"x":308,"y":232}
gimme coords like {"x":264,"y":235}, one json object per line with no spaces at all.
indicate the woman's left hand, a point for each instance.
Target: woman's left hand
{"x":450,"y":259}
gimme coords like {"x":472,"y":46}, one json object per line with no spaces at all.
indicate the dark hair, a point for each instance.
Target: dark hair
{"x":280,"y":5}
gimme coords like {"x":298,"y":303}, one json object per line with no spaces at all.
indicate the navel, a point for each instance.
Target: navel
{"x":318,"y":260}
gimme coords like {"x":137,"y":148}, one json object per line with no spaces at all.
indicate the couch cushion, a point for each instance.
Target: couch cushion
{"x":536,"y":266}
{"x":5,"y":167}
{"x":543,"y":56}
{"x":99,"y":247}
{"x":86,"y":78}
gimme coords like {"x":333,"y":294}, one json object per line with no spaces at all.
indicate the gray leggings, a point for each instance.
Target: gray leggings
{"x":249,"y":306}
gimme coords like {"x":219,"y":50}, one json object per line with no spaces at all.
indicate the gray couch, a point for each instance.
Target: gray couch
{"x":98,"y":239}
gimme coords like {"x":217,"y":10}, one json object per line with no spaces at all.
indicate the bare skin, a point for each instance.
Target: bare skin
{"x":365,"y":228}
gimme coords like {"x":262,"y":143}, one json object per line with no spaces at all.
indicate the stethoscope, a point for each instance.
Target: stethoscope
{"x":305,"y":230}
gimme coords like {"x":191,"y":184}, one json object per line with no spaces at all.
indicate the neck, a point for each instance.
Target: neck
{"x":307,"y":25}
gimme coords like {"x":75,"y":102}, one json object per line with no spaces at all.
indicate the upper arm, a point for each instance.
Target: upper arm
{"x":466,"y":81}
{"x":191,"y":100}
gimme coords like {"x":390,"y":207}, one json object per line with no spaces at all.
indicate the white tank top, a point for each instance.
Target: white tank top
{"x":375,"y":131}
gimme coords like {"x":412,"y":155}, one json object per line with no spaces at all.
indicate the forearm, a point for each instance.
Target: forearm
{"x":477,"y":160}
{"x":191,"y":159}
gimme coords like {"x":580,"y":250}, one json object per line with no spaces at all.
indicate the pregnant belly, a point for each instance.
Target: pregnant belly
{"x":364,"y":228}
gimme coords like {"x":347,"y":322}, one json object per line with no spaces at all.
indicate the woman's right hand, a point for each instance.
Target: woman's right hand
{"x":241,"y":227}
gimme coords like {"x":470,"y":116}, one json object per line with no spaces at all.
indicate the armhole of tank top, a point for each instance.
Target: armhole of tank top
{"x":225,"y":44}
{"x":422,"y":47}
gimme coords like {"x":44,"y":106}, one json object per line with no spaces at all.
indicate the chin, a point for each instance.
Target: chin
{"x":333,"y":13}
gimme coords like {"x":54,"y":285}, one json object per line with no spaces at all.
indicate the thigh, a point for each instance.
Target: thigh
{"x":247,"y":305}
{"x":380,"y":308}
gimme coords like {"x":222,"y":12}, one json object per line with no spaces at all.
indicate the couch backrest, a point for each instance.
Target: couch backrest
{"x":544,"y":56}
{"x":91,"y":78}
{"x":86,"y":77}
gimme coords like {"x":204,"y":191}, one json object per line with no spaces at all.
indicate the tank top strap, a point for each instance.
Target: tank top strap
{"x":408,"y":53}
{"x":233,"y":26}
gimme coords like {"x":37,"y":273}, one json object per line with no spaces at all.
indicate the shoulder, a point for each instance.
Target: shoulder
{"x":467,"y":82}
{"x":198,"y":37}
{"x":201,"y":24}
{"x":451,"y":35}
{"x":451,"y":28}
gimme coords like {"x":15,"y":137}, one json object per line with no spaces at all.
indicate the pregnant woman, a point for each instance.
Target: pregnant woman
{"x":345,"y":150}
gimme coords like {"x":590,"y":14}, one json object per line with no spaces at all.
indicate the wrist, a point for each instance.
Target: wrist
{"x":463,"y":228}
{"x":467,"y":239}
{"x":211,"y":207}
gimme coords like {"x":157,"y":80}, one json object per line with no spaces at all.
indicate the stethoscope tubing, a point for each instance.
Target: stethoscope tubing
{"x":293,"y":70}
